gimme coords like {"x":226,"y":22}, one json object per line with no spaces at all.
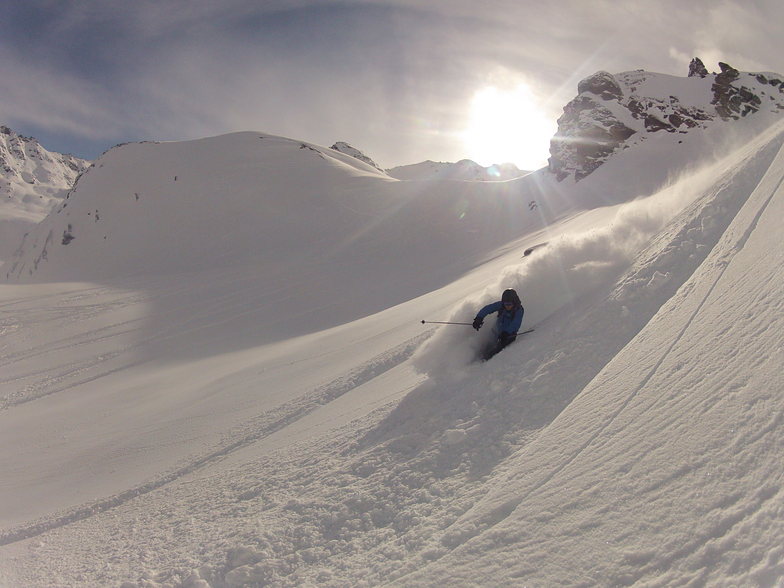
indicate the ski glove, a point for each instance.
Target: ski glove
{"x":478,"y":323}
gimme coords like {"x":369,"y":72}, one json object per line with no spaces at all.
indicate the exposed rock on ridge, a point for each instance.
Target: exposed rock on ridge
{"x":697,"y":68}
{"x":343,"y":147}
{"x":612,"y":112}
{"x":602,"y":84}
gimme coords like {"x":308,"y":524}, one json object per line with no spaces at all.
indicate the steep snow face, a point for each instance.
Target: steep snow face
{"x":664,"y":468}
{"x":614,"y":112}
{"x":568,"y":269}
{"x":32,"y":181}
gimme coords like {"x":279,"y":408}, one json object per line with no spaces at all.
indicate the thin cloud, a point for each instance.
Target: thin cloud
{"x":396,"y":78}
{"x":39,"y":96}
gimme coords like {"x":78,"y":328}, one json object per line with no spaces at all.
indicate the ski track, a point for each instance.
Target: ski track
{"x":258,"y":429}
{"x":66,"y":307}
{"x":43,"y":387}
{"x":29,"y":394}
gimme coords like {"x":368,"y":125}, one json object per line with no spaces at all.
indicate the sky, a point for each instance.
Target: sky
{"x":404,"y":81}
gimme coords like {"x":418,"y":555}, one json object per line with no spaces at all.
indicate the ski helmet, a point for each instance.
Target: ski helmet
{"x":510,"y":295}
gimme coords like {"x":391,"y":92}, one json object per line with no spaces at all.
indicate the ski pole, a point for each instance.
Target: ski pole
{"x":424,"y":322}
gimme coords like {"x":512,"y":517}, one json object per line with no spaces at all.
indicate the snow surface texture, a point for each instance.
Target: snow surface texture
{"x":277,"y":415}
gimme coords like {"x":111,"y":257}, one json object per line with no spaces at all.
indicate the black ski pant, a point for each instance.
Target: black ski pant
{"x":494,"y":348}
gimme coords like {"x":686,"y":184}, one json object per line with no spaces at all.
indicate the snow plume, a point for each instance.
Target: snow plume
{"x":559,"y":275}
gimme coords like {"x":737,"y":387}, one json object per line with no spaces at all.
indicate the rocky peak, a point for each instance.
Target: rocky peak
{"x":588,"y":132}
{"x":31,"y":177}
{"x":697,"y":68}
{"x":612,"y":112}
{"x":23,"y":159}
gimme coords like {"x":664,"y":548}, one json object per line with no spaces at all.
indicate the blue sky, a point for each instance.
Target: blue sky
{"x":397,"y":80}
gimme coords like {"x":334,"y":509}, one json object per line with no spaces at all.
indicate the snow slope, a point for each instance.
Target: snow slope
{"x":665,"y":469}
{"x":277,"y":414}
{"x":251,"y":198}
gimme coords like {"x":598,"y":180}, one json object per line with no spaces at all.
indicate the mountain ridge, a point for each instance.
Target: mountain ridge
{"x":615,"y":112}
{"x":243,"y":197}
{"x":32,"y":181}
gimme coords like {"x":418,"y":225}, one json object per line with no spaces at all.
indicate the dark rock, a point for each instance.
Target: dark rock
{"x":697,"y":68}
{"x":345,"y":148}
{"x":654,"y":124}
{"x":728,"y":71}
{"x":596,"y":124}
{"x":601,"y":84}
{"x":580,"y":146}
{"x":731,"y":101}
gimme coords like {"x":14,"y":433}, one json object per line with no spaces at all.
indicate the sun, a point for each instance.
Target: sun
{"x":508,"y":126}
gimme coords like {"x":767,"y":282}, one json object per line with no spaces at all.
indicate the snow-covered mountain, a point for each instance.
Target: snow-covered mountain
{"x":215,"y":372}
{"x":32,"y":181}
{"x":249,"y":198}
{"x":615,"y":112}
{"x":465,"y":169}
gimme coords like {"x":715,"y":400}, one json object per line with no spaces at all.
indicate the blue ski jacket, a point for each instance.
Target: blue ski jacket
{"x":508,"y":321}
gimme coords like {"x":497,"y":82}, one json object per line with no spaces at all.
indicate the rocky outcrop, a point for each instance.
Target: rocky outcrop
{"x":697,"y":68}
{"x":601,"y":84}
{"x":587,"y":133}
{"x":347,"y":149}
{"x":612,"y":112}
{"x":730,"y":100}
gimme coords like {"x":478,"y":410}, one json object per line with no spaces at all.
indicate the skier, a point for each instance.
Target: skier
{"x":510,"y":317}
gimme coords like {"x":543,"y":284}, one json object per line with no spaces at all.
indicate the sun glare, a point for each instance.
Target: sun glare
{"x":508,"y":126}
